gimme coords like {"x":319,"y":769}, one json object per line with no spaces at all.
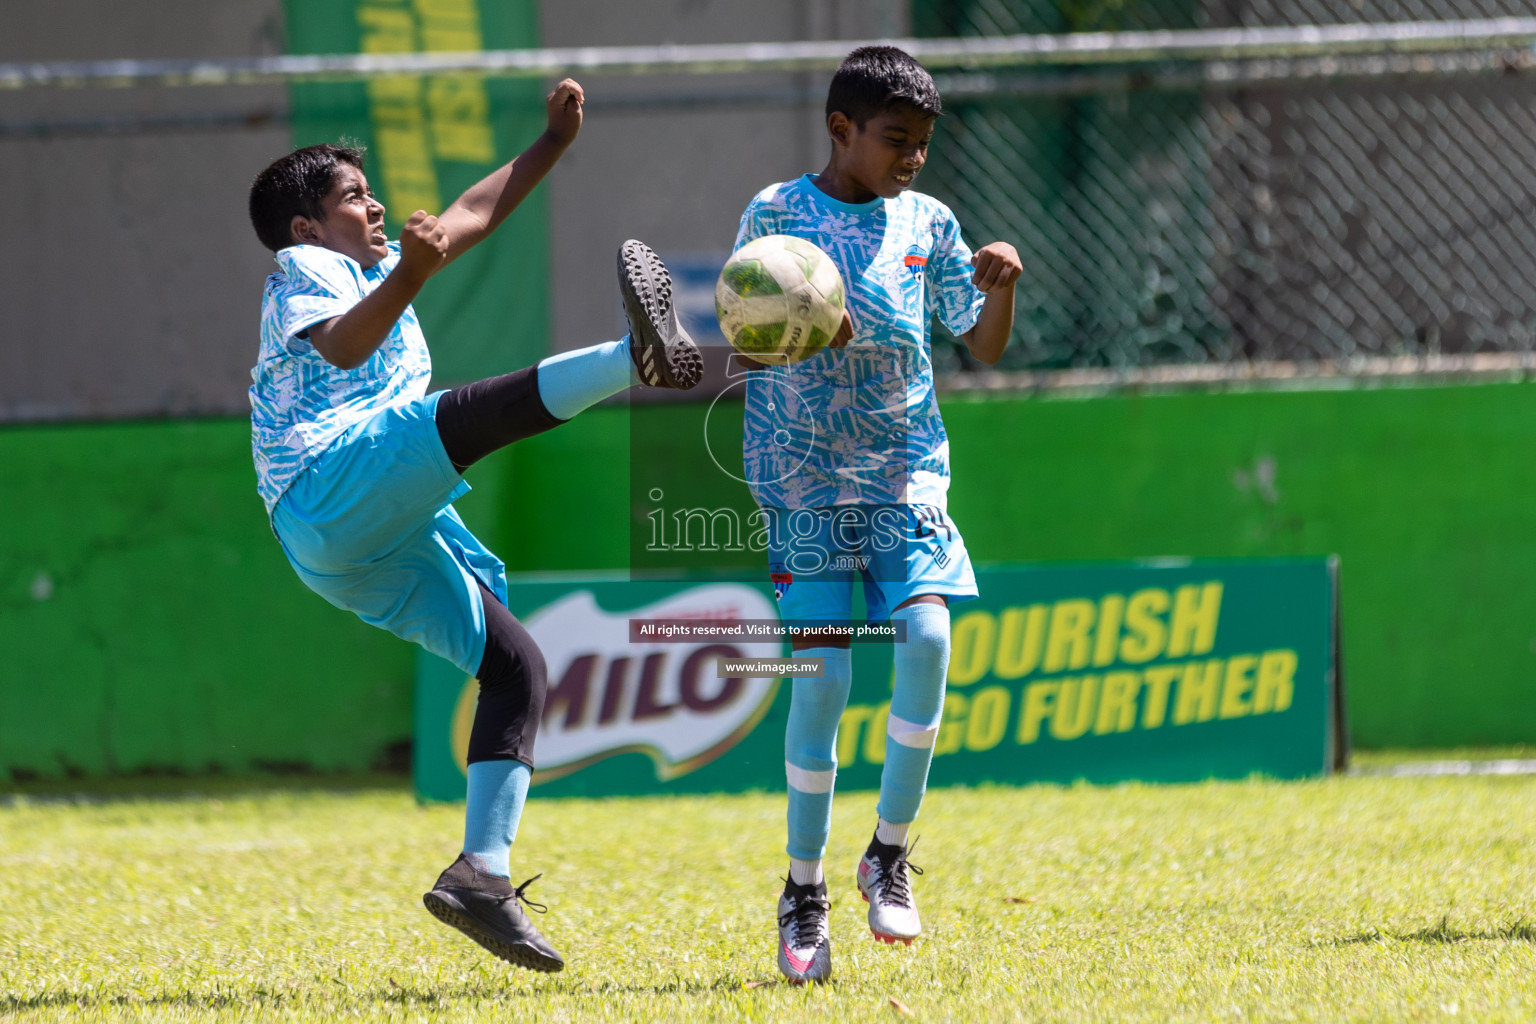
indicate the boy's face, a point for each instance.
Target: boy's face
{"x":886,"y":154}
{"x":352,"y":221}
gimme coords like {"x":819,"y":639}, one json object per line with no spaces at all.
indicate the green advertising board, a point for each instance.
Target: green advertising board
{"x":1167,"y":671}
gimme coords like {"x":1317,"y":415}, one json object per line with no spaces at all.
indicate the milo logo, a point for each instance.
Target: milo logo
{"x":610,"y":696}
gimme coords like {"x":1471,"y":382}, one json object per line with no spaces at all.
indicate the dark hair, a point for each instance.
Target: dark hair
{"x":296,"y":185}
{"x":873,"y":79}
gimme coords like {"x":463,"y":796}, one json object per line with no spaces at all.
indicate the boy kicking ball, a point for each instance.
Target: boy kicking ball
{"x":875,"y":472}
{"x":359,"y":466}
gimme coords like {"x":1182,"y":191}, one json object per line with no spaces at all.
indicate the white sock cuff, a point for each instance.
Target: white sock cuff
{"x":804,"y":872}
{"x":892,"y":834}
{"x":806,"y":781}
{"x":912,"y":734}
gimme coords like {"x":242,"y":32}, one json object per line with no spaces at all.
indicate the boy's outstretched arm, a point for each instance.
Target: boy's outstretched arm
{"x":997,"y":270}
{"x":348,"y":341}
{"x":428,"y":243}
{"x":484,"y":205}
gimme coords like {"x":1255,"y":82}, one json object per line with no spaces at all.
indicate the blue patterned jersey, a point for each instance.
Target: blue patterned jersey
{"x":299,"y":402}
{"x":860,"y":425}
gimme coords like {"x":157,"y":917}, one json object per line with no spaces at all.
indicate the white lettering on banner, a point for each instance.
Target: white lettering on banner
{"x":609,"y":696}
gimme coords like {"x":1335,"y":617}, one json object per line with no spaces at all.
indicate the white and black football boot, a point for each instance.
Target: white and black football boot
{"x":485,"y":907}
{"x":664,"y":354}
{"x":805,"y":935}
{"x":885,"y":882}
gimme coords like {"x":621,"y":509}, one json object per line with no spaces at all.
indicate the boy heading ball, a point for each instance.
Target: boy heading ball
{"x":867,"y":455}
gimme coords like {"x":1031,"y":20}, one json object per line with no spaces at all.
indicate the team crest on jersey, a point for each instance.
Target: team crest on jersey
{"x":781,"y":578}
{"x":916,"y":260}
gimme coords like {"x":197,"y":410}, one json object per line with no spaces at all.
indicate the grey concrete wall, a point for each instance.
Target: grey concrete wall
{"x":129,"y":276}
{"x":673,"y":160}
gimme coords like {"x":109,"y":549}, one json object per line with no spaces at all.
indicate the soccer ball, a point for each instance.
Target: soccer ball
{"x":779,"y":299}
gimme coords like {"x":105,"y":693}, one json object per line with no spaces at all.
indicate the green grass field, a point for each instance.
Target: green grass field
{"x":1354,"y":898}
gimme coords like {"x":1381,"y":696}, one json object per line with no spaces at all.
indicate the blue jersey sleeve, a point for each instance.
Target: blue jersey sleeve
{"x":317,"y":285}
{"x":951,"y":295}
{"x":755,"y":223}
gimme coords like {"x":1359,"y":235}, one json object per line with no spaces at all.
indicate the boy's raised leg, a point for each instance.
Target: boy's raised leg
{"x":572,"y":382}
{"x":656,"y":352}
{"x":480,"y":418}
{"x":664,"y":353}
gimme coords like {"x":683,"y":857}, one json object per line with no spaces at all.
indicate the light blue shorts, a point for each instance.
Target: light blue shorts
{"x":370,"y":527}
{"x":897,"y":552}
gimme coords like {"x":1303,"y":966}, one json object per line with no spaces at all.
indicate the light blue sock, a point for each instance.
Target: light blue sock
{"x":492,"y":809}
{"x":573,"y":381}
{"x":810,"y":750}
{"x":916,"y":707}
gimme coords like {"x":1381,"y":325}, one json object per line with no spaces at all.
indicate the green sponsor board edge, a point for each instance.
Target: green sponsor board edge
{"x":1169,"y":670}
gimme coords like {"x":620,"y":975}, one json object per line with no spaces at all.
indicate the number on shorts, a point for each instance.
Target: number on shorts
{"x":930,"y":520}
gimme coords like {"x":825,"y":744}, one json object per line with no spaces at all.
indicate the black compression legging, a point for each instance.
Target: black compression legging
{"x":473,"y":421}
{"x":513,"y":681}
{"x":477,"y":419}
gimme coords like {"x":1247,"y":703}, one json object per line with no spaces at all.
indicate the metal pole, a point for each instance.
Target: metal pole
{"x":1072,"y":49}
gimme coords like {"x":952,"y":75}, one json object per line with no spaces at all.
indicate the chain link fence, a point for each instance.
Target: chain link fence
{"x":1283,"y":209}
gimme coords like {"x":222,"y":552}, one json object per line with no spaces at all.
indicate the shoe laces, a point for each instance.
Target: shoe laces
{"x":895,"y":884}
{"x":520,"y":893}
{"x":808,"y":912}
